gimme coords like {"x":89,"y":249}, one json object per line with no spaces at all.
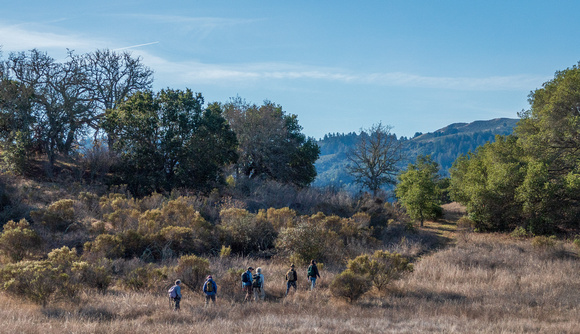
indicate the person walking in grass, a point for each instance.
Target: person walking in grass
{"x":312,"y":274}
{"x":291,"y":279}
{"x":258,"y":285}
{"x":247,"y":284}
{"x":175,"y":294}
{"x":210,"y":290}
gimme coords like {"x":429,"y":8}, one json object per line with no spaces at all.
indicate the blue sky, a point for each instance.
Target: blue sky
{"x":339,"y":65}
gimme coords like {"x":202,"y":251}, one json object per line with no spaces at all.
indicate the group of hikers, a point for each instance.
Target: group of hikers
{"x":252,"y":285}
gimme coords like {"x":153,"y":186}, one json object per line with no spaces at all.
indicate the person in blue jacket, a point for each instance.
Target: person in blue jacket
{"x":210,"y":290}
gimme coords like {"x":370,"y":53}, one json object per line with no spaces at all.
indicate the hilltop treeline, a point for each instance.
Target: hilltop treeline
{"x":97,"y":110}
{"x":444,"y":146}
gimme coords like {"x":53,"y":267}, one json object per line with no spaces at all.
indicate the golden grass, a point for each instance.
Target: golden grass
{"x":484,"y":284}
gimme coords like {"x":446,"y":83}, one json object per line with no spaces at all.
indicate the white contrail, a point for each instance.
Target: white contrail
{"x":135,"y":46}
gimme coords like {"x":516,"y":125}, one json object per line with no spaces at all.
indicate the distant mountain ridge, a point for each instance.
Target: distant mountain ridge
{"x":444,"y":146}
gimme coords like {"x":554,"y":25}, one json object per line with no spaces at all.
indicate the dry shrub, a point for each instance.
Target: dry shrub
{"x":105,"y":246}
{"x":349,"y":286}
{"x":309,"y":240}
{"x":192,"y":271}
{"x":59,"y":216}
{"x":247,"y":233}
{"x":380,"y":268}
{"x":145,"y":278}
{"x":19,"y":241}
{"x":281,"y":218}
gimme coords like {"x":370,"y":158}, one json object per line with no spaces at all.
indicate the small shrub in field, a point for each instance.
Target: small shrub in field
{"x":61,"y":275}
{"x":106,"y":246}
{"x":18,"y":241}
{"x":310,"y":240}
{"x":576,"y":242}
{"x":519,"y":233}
{"x":543,"y":242}
{"x":225,"y":251}
{"x":281,"y":218}
{"x":192,"y":271}
{"x":246,"y":233}
{"x":59,"y":216}
{"x":380,"y":268}
{"x":144,"y":278}
{"x":37,"y":281}
{"x":349,"y":286}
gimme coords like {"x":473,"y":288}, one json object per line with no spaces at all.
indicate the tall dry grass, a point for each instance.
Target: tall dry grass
{"x":484,"y":284}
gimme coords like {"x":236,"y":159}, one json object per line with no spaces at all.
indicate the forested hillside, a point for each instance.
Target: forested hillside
{"x":444,"y":146}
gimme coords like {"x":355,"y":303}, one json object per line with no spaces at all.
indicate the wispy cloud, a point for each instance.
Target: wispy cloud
{"x":135,"y":46}
{"x":30,"y":36}
{"x":198,"y":72}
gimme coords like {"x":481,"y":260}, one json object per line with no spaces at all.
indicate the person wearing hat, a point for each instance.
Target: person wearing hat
{"x":291,"y":278}
{"x":210,"y":290}
{"x":247,"y":284}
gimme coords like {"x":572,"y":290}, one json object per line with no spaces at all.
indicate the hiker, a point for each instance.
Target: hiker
{"x":247,"y":284}
{"x":175,"y":294}
{"x":291,"y":277}
{"x":312,"y":274}
{"x":210,"y":290}
{"x":258,"y":285}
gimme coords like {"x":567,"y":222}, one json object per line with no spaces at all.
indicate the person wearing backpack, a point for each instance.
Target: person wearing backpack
{"x":247,"y":284}
{"x":175,"y":294}
{"x":291,"y":278}
{"x":258,"y":285}
{"x":210,"y":290}
{"x":312,"y":274}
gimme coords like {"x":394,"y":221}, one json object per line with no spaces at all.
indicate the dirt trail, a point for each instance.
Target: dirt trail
{"x":445,"y":229}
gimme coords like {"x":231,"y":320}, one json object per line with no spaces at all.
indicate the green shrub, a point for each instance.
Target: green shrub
{"x":519,"y":233}
{"x":37,"y":281}
{"x":576,"y":242}
{"x":246,"y":233}
{"x":349,"y":286}
{"x":106,"y":246}
{"x":281,"y":218}
{"x":225,"y":251}
{"x":192,"y":271}
{"x":18,"y":241}
{"x":144,"y":278}
{"x":59,"y":216}
{"x":380,"y":268}
{"x":309,"y":240}
{"x":62,"y":275}
{"x":544,"y":242}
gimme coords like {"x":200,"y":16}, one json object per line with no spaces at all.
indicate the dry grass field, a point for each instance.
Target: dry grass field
{"x":478,"y":283}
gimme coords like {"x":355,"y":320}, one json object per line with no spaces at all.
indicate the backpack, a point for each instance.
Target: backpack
{"x":209,"y":286}
{"x":172,"y":292}
{"x":257,"y":281}
{"x":246,"y":277}
{"x":291,"y":275}
{"x":311,"y":271}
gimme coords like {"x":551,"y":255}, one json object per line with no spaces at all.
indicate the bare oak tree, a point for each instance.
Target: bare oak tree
{"x":374,"y":159}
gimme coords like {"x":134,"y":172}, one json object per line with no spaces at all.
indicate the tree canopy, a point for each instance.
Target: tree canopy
{"x":418,"y":189}
{"x":271,"y":144}
{"x":167,"y":140}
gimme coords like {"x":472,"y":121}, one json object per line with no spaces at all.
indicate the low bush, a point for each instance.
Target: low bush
{"x":349,"y":286}
{"x":59,"y":216}
{"x":19,"y":241}
{"x":380,"y":268}
{"x":192,"y":271}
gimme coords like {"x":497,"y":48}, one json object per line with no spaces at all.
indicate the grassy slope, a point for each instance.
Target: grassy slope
{"x":478,"y":283}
